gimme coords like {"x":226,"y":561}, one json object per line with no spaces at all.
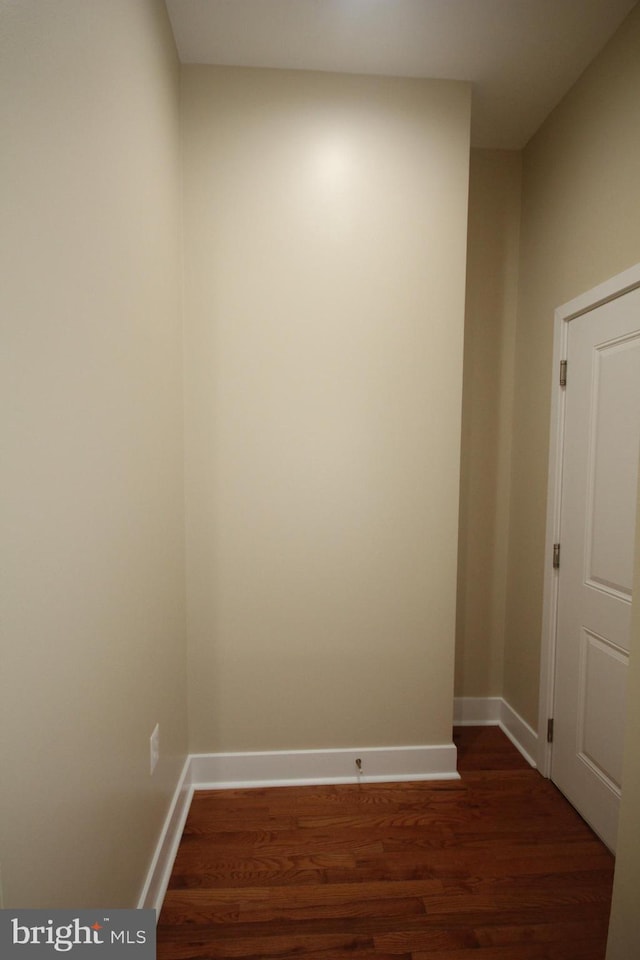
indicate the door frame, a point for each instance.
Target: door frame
{"x":609,"y":290}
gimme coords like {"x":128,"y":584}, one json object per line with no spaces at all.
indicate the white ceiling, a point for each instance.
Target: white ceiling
{"x":521,"y":55}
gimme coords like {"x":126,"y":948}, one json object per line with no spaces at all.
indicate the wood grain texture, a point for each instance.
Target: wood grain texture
{"x":496,"y":866}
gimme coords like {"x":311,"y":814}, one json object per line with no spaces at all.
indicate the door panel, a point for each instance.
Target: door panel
{"x":601,"y":707}
{"x":599,"y":483}
{"x":612,"y":469}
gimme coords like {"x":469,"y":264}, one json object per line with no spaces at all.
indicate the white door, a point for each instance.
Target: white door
{"x":599,"y":486}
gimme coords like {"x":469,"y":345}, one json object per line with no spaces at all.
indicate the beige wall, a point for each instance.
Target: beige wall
{"x":325,"y":233}
{"x":487,"y":402}
{"x":93,"y":647}
{"x":580,"y":226}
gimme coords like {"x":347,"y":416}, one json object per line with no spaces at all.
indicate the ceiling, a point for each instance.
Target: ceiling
{"x":520,"y":55}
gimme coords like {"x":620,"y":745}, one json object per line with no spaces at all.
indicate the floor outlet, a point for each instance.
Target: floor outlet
{"x":154,"y":748}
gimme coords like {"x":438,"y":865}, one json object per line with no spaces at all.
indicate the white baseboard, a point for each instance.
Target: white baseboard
{"x":477,"y":711}
{"x":219,"y":771}
{"x":157,"y":881}
{"x":495,"y":711}
{"x":519,"y":732}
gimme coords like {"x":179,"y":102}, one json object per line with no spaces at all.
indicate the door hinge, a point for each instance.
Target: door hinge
{"x":556,"y":556}
{"x":563,"y":373}
{"x":550,"y":730}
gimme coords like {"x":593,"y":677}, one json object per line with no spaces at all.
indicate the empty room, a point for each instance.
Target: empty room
{"x":320,"y":422}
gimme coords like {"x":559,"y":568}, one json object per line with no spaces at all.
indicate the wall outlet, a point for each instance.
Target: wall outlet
{"x":154,"y":748}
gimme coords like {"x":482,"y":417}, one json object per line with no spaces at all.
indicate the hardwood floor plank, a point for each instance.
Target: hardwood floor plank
{"x":264,"y":871}
{"x":314,"y":846}
{"x":276,"y":946}
{"x":300,"y":902}
{"x":576,"y":950}
{"x":316,"y":947}
{"x":586,"y":929}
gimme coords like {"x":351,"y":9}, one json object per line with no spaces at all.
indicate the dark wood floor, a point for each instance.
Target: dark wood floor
{"x":495,"y":866}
